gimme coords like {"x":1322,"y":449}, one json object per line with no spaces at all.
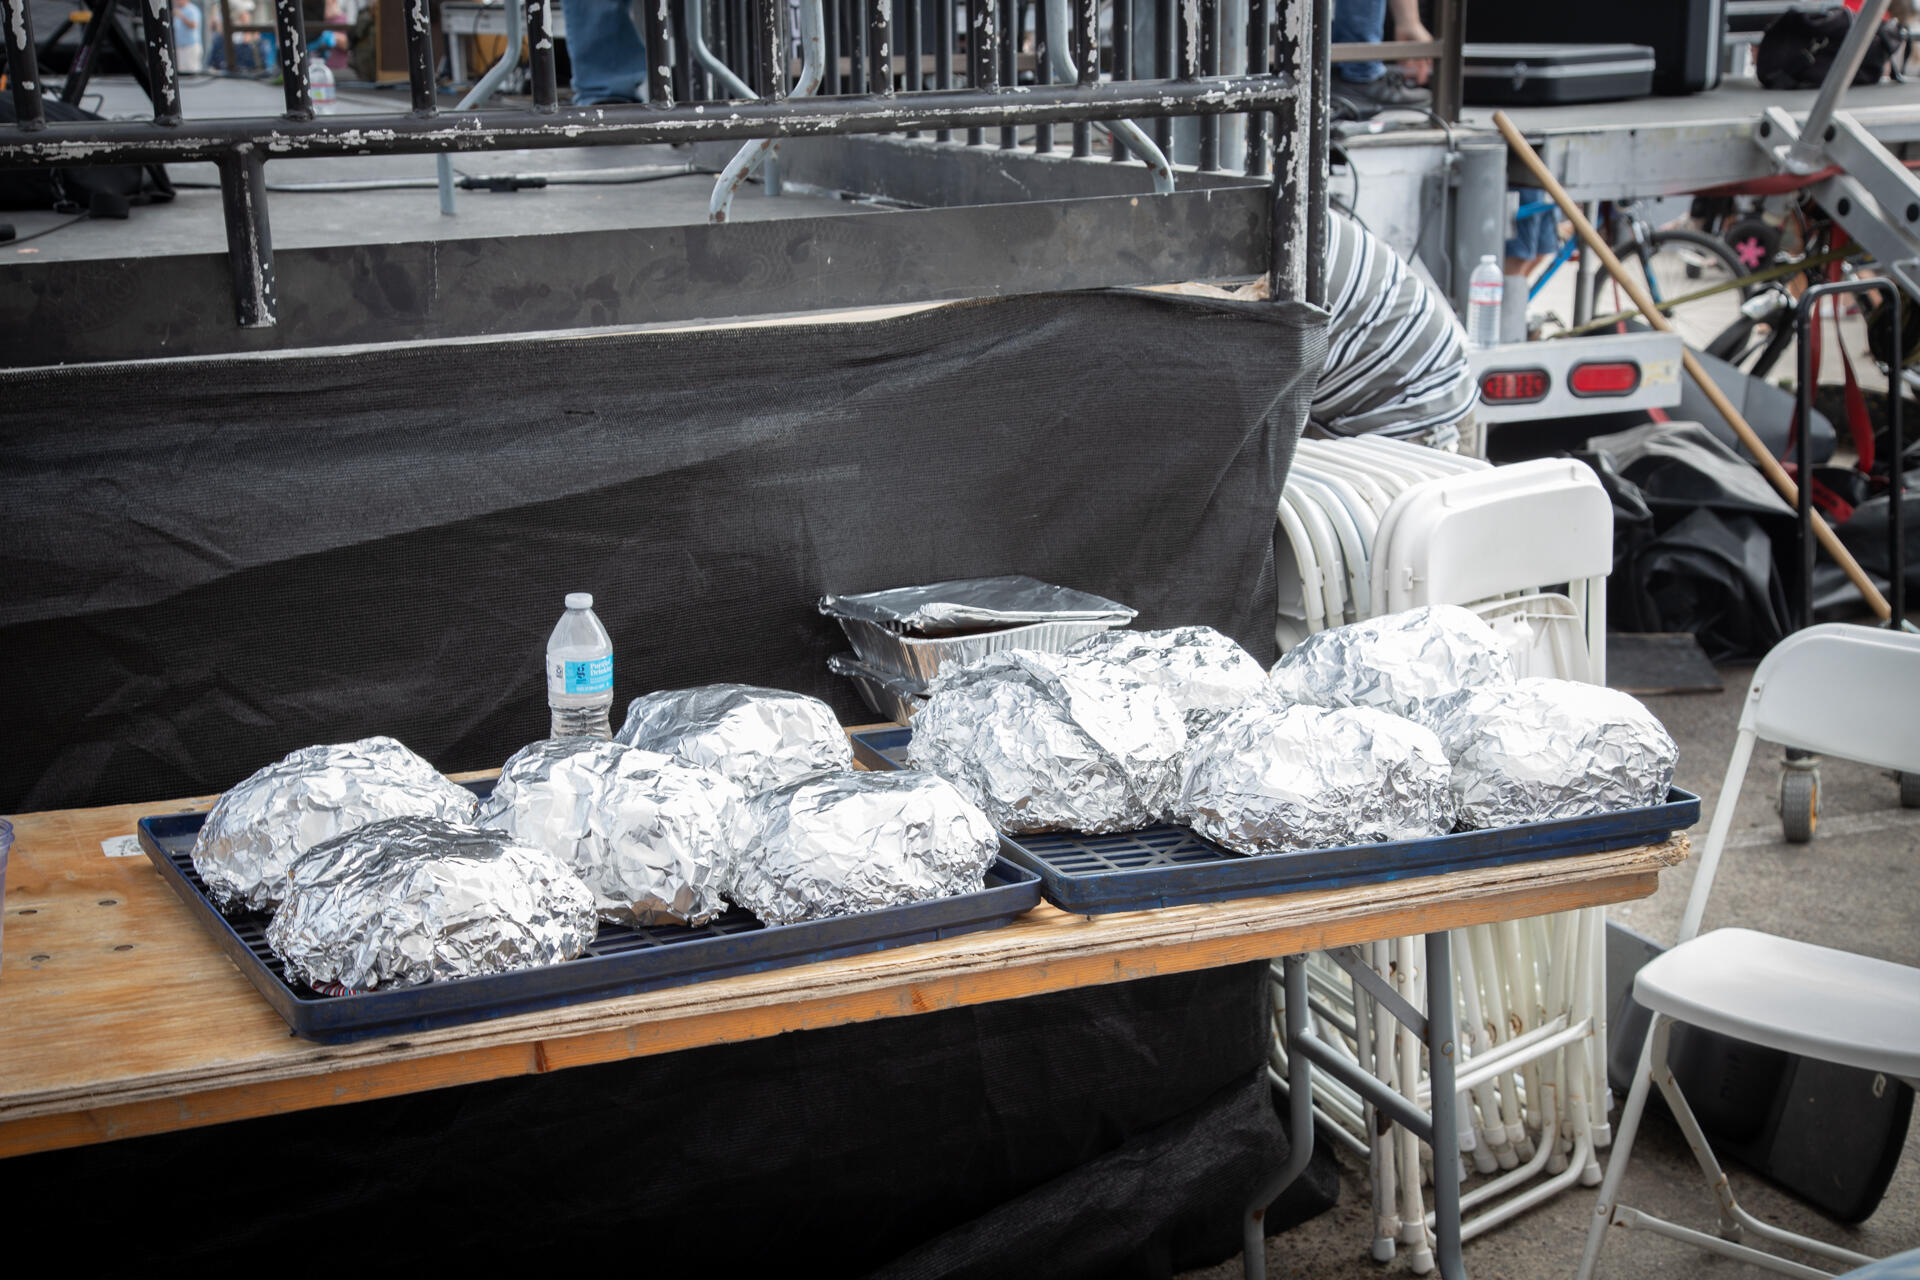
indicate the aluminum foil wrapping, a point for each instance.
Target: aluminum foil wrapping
{"x":853,"y":842}
{"x":1541,"y":749}
{"x":404,"y":901}
{"x":970,"y":603}
{"x":1204,"y":672}
{"x":1051,"y":741}
{"x":654,"y":837}
{"x":1397,"y":662}
{"x":260,"y":826}
{"x":1270,"y":778}
{"x":761,"y":738}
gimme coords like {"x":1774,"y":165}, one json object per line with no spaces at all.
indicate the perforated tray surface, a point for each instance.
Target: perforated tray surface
{"x":621,"y":960}
{"x":1167,"y":865}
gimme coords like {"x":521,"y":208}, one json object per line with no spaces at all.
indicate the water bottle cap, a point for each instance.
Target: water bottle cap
{"x":1487,"y":257}
{"x":579,"y":600}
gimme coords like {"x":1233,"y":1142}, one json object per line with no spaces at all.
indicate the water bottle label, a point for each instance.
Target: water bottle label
{"x":595,"y":675}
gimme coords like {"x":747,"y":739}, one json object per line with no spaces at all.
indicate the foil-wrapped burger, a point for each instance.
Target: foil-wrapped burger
{"x":404,"y":901}
{"x":1204,"y":672}
{"x":853,"y":842}
{"x":1049,"y":741}
{"x":652,"y":836}
{"x":1398,"y":662}
{"x":761,"y":738}
{"x":1271,"y":778}
{"x":1540,"y":749}
{"x":261,"y":825}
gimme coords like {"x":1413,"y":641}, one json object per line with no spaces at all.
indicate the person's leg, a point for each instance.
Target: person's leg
{"x":1359,"y":22}
{"x":609,"y":59}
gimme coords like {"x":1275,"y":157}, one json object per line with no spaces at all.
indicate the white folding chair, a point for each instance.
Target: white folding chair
{"x":1846,"y":691}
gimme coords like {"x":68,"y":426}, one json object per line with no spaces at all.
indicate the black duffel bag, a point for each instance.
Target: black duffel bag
{"x":1798,"y":50}
{"x":104,"y":190}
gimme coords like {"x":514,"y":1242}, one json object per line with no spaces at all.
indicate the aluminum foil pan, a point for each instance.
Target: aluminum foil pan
{"x":261,"y":825}
{"x":896,"y":697}
{"x":973,"y":603}
{"x":853,"y":842}
{"x":1204,"y":672}
{"x":1397,"y":662}
{"x":653,"y":836}
{"x":921,"y":659}
{"x":760,"y":738}
{"x":1542,"y":749}
{"x":1045,"y":741}
{"x":1270,"y":778}
{"x":404,"y":901}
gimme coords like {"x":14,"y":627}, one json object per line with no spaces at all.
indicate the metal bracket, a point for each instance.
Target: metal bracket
{"x":1361,"y":972}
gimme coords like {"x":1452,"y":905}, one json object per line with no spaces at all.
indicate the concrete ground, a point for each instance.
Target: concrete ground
{"x":1857,"y":886}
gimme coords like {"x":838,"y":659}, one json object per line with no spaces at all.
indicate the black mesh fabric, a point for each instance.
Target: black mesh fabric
{"x":212,"y":563}
{"x":1113,"y":1130}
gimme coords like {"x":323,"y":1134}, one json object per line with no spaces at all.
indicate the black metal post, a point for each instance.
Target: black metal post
{"x":1086,"y":53}
{"x":23,"y":63}
{"x":983,"y":55}
{"x":1319,"y":68}
{"x":226,"y":34}
{"x":243,"y":199}
{"x":1043,"y":38}
{"x":943,"y":59}
{"x":420,"y":77}
{"x":290,"y":29}
{"x":687,"y":77}
{"x":1122,"y":57}
{"x":163,"y":81}
{"x":1009,"y":63}
{"x":830,"y":47}
{"x":1804,"y":318}
{"x":916,"y":50}
{"x":83,"y":59}
{"x":1259,"y":60}
{"x":659,"y":34}
{"x":546,"y":91}
{"x":771,"y":70}
{"x":1210,"y":65}
{"x":1165,"y":42}
{"x":1448,"y":85}
{"x":880,"y":46}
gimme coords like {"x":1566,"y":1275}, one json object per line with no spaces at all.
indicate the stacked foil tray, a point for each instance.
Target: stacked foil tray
{"x":903,"y":638}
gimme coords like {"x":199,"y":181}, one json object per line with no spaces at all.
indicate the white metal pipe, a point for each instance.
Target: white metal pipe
{"x":1126,"y":130}
{"x":1413,"y":1213}
{"x":1386,"y":1191}
{"x":813,"y":49}
{"x":697,"y":42}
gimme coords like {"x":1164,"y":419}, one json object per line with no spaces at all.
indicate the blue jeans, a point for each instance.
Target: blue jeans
{"x":1359,"y":22}
{"x":608,"y":56}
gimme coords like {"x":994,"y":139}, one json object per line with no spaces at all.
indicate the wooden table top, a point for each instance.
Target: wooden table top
{"x":119,"y":1016}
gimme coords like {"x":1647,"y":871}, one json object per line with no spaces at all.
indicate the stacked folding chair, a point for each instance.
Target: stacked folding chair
{"x":1371,"y":526}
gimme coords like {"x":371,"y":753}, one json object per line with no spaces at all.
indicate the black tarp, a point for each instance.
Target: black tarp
{"x":210,"y":563}
{"x":1111,"y":1131}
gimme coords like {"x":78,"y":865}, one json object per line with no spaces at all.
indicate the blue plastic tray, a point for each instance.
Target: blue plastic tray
{"x":1167,"y":866}
{"x":621,"y":961}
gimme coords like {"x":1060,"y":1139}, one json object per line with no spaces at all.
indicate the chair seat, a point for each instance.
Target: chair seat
{"x":1814,"y":1001}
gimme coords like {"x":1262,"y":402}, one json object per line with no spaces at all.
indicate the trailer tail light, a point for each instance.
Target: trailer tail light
{"x":1514,"y":386}
{"x":1604,"y":378}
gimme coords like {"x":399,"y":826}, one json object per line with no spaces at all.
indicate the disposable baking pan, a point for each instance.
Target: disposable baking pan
{"x":1167,"y":865}
{"x":921,"y":657}
{"x":894,"y":696}
{"x":621,"y":961}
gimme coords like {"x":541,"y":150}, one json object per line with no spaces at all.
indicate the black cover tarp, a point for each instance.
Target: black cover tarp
{"x":1111,"y":1131}
{"x":211,"y":563}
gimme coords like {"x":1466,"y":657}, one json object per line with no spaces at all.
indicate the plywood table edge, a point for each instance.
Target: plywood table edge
{"x":1062,"y":953}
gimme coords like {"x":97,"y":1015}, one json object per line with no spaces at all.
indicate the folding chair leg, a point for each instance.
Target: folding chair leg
{"x":1617,"y":1158}
{"x":1696,"y":1137}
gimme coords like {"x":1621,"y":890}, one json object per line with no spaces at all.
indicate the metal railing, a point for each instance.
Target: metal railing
{"x":869,"y":89}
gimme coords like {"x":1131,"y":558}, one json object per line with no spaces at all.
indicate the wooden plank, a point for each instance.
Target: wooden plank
{"x":121,"y":1017}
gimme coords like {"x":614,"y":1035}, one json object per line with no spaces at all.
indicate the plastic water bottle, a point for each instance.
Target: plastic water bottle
{"x":320,"y":84}
{"x":580,"y":672}
{"x":1483,"y":303}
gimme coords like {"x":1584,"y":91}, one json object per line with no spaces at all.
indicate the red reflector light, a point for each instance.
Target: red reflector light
{"x":1613,"y":378}
{"x":1514,"y":386}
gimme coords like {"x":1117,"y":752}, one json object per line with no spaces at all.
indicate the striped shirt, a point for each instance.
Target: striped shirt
{"x":1396,"y":355}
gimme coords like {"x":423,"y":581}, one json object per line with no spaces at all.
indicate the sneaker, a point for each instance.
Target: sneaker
{"x":1357,"y":100}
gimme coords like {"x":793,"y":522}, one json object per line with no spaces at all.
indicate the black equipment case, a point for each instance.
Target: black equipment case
{"x":1685,"y":34}
{"x":1542,"y":75}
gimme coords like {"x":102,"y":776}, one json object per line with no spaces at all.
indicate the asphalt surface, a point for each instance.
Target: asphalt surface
{"x":1857,"y":886}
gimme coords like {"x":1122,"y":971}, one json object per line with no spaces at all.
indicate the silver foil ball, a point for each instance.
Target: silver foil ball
{"x":1397,"y":662}
{"x":404,"y":901}
{"x":761,"y":738}
{"x":1269,"y":778}
{"x":846,"y":843}
{"x":1541,"y":749}
{"x":259,"y":826}
{"x":653,"y":836}
{"x":1052,"y":741}
{"x":1207,"y":674}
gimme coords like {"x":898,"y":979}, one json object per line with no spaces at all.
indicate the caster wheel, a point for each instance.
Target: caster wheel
{"x":1910,"y":791}
{"x":1799,"y":804}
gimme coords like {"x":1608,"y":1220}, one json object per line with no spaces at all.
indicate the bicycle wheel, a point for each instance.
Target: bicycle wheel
{"x":1677,"y":262}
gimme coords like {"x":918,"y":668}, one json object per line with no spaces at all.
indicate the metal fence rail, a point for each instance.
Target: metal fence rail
{"x":987,"y":62}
